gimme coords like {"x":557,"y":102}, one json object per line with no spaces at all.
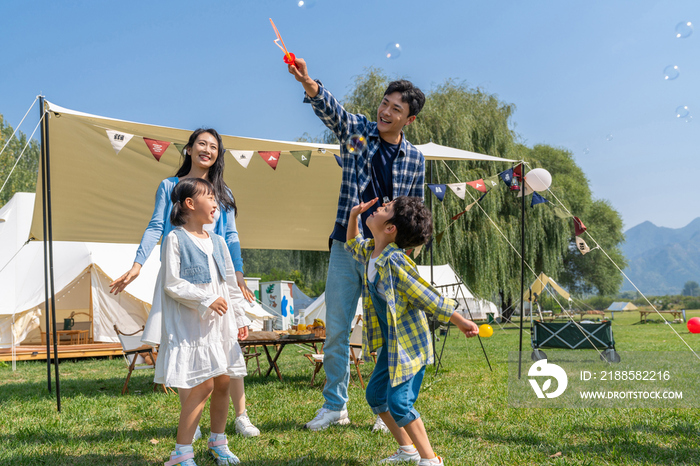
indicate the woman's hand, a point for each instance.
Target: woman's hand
{"x":247,"y":294}
{"x":243,"y":333}
{"x":219,"y":306}
{"x":120,"y":283}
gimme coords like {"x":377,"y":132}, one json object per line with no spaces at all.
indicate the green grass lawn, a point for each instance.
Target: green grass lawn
{"x":465,"y":409}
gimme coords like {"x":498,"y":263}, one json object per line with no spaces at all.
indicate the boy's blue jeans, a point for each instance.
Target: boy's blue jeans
{"x":380,"y":395}
{"x":343,"y":290}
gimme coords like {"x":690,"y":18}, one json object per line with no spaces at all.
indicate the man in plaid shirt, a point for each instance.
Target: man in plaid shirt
{"x":395,"y":302}
{"x":389,"y":166}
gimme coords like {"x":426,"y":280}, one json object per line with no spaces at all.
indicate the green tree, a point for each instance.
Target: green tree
{"x":24,"y":177}
{"x":691,"y":288}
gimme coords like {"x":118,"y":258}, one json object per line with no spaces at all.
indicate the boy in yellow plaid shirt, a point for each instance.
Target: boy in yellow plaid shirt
{"x":395,"y":299}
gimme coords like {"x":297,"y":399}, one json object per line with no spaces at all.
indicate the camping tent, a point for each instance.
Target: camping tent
{"x":82,"y":273}
{"x":317,"y":310}
{"x":451,"y":286}
{"x":622,"y":306}
{"x":292,"y":206}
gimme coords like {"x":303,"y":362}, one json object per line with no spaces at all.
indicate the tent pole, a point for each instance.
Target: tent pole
{"x":432,"y":282}
{"x":47,"y":172}
{"x":46,"y":255}
{"x":522,"y":265}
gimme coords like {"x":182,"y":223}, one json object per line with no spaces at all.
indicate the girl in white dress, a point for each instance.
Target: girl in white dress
{"x":202,"y":320}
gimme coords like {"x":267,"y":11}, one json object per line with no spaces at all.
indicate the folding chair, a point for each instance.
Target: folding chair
{"x":132,"y":349}
{"x":250,"y":352}
{"x":356,"y":348}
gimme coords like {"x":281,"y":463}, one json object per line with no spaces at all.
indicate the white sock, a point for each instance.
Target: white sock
{"x":435,"y":460}
{"x":187,"y":448}
{"x":408,"y":448}
{"x":243,"y":413}
{"x":214,"y":437}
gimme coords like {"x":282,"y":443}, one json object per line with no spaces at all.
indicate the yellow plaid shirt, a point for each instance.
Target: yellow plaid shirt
{"x":408,"y":298}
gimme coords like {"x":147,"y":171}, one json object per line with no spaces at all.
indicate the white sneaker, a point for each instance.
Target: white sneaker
{"x":379,"y":426}
{"x":437,"y":461}
{"x":402,"y":456}
{"x":326,"y":417}
{"x":197,"y":435}
{"x":244,"y":427}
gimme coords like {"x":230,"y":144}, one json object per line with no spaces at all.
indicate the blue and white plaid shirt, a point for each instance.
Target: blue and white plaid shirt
{"x":408,"y":171}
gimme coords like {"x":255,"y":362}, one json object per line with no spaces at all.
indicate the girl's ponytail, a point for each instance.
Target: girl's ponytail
{"x":188,"y":187}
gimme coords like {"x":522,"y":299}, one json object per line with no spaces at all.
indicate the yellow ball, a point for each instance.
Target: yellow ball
{"x":485,"y":331}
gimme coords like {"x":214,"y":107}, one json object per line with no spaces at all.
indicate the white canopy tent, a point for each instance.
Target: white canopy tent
{"x":82,"y":273}
{"x":317,"y":310}
{"x":451,"y":286}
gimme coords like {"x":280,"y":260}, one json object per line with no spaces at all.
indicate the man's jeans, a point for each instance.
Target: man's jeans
{"x":343,"y":290}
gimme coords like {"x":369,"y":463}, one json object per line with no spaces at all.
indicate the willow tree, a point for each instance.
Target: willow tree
{"x":25,"y":172}
{"x":484,"y":244}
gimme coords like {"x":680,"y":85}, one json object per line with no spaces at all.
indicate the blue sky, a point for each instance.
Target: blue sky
{"x":577,"y":73}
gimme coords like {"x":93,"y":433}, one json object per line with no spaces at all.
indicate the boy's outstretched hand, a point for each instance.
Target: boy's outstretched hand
{"x":466,"y":326}
{"x":363,"y":206}
{"x":301,"y":74}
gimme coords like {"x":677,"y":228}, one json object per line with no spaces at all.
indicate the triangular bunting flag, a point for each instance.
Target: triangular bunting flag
{"x":581,"y":245}
{"x":338,"y":160}
{"x":491,"y":182}
{"x":478,"y":185}
{"x":270,"y":157}
{"x":409,"y":251}
{"x":459,"y":189}
{"x":469,"y":207}
{"x":438,"y":238}
{"x":417,"y":251}
{"x":537,"y":199}
{"x":439,"y":190}
{"x":507,"y":176}
{"x":518,"y":172}
{"x":559,"y":212}
{"x":118,"y":139}
{"x":243,"y":156}
{"x":156,"y":147}
{"x":303,"y":156}
{"x":180,"y":147}
{"x":459,"y":215}
{"x":528,"y":190}
{"x":579,"y":227}
{"x":482,"y":196}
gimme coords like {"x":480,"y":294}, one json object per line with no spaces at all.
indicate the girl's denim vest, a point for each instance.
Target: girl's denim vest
{"x":194,"y":263}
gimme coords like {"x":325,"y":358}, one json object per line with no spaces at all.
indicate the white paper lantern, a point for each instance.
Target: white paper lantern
{"x":539,"y":179}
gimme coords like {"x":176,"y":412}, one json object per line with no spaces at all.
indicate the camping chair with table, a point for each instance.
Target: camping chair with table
{"x":137,"y":355}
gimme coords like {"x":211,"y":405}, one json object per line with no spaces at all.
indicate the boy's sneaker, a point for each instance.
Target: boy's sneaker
{"x":178,"y":458}
{"x":222,"y":455}
{"x":244,"y":427}
{"x":437,"y":461}
{"x":326,"y":417}
{"x":379,"y":426}
{"x":197,"y":435}
{"x":403,"y":456}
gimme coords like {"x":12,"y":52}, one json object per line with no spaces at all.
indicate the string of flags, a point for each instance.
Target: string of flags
{"x":512,"y":178}
{"x":120,"y":139}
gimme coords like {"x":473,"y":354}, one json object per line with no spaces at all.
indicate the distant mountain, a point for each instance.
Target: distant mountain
{"x":662,"y":259}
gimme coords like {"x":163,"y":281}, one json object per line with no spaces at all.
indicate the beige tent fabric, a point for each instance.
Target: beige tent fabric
{"x":540,"y":283}
{"x":100,"y":196}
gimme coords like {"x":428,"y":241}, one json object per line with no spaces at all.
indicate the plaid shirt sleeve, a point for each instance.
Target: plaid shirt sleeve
{"x":419,"y":292}
{"x":360,"y":248}
{"x":343,"y":123}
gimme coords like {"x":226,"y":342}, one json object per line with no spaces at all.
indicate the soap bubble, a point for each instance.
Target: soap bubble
{"x":671,"y":72}
{"x":393,"y":50}
{"x":356,"y":144}
{"x":586,"y":151}
{"x":689,"y":119}
{"x":684,"y":29}
{"x":682,"y":111}
{"x":306,"y":3}
{"x":609,"y":137}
